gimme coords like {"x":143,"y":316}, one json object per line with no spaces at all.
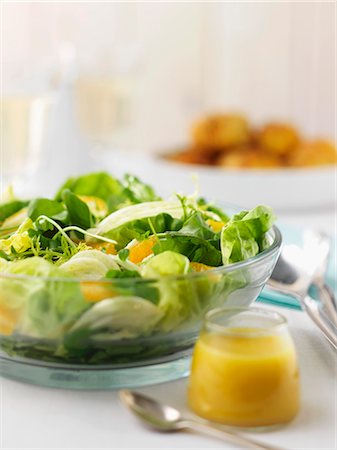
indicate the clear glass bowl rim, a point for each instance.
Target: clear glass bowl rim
{"x":250,"y":262}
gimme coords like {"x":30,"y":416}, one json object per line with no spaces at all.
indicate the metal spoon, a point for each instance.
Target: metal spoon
{"x":326,"y":294}
{"x":294,"y":273}
{"x":165,"y":418}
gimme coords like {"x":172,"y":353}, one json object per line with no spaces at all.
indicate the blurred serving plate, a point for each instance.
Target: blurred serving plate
{"x":281,"y":188}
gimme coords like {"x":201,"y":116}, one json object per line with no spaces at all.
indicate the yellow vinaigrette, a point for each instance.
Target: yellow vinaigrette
{"x":245,"y":377}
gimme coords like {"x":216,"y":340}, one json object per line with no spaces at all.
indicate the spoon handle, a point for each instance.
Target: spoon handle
{"x":327,"y":298}
{"x":309,"y":305}
{"x":226,"y":435}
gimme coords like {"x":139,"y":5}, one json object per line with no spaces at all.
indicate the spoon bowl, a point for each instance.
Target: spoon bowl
{"x":165,"y":418}
{"x":296,"y":266}
{"x":299,"y":267}
{"x":158,"y":416}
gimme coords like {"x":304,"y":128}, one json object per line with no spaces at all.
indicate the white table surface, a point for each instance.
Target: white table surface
{"x":40,"y":418}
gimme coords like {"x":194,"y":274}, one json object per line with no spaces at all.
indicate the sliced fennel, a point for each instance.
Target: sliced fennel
{"x":122,"y":316}
{"x":139,"y":211}
{"x":97,"y":255}
{"x":84,"y":268}
{"x":94,"y":264}
{"x":89,"y":265}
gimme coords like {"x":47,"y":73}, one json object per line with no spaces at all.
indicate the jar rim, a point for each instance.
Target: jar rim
{"x":280,"y":321}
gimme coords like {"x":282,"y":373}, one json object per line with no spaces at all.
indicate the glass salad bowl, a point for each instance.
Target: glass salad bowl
{"x":112,"y":333}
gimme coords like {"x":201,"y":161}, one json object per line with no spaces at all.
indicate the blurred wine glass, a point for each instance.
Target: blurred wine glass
{"x":23,"y":118}
{"x":105,"y":97}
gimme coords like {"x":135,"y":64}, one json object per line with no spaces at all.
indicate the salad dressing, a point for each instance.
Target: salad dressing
{"x":245,"y":378}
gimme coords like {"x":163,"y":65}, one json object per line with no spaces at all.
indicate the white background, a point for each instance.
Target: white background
{"x":271,"y":60}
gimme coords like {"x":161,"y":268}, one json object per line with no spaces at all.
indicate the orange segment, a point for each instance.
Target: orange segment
{"x":200,"y":267}
{"x":97,"y":206}
{"x":95,"y":292}
{"x":8,"y":320}
{"x":142,"y":249}
{"x":106,"y":247}
{"x":216,"y":226}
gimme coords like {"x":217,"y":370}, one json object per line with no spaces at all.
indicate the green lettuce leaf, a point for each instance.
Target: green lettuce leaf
{"x":50,"y":208}
{"x":113,"y":273}
{"x":205,"y":206}
{"x":115,"y":193}
{"x":244,"y":236}
{"x":137,"y":191}
{"x":196,"y":249}
{"x":195,"y":239}
{"x":130,"y":283}
{"x":167,"y":263}
{"x":10,"y":208}
{"x":46,"y":303}
{"x":99,"y":184}
{"x":142,"y":228}
{"x":177,"y":300}
{"x":195,"y":225}
{"x":78,"y":211}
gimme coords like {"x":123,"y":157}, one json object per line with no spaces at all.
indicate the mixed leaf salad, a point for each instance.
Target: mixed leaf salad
{"x":105,"y":262}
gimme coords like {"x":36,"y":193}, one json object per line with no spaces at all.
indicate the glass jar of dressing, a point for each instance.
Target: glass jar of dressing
{"x":244,"y":369}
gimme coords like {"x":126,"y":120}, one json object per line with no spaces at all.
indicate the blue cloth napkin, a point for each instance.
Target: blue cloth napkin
{"x":293,"y":236}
